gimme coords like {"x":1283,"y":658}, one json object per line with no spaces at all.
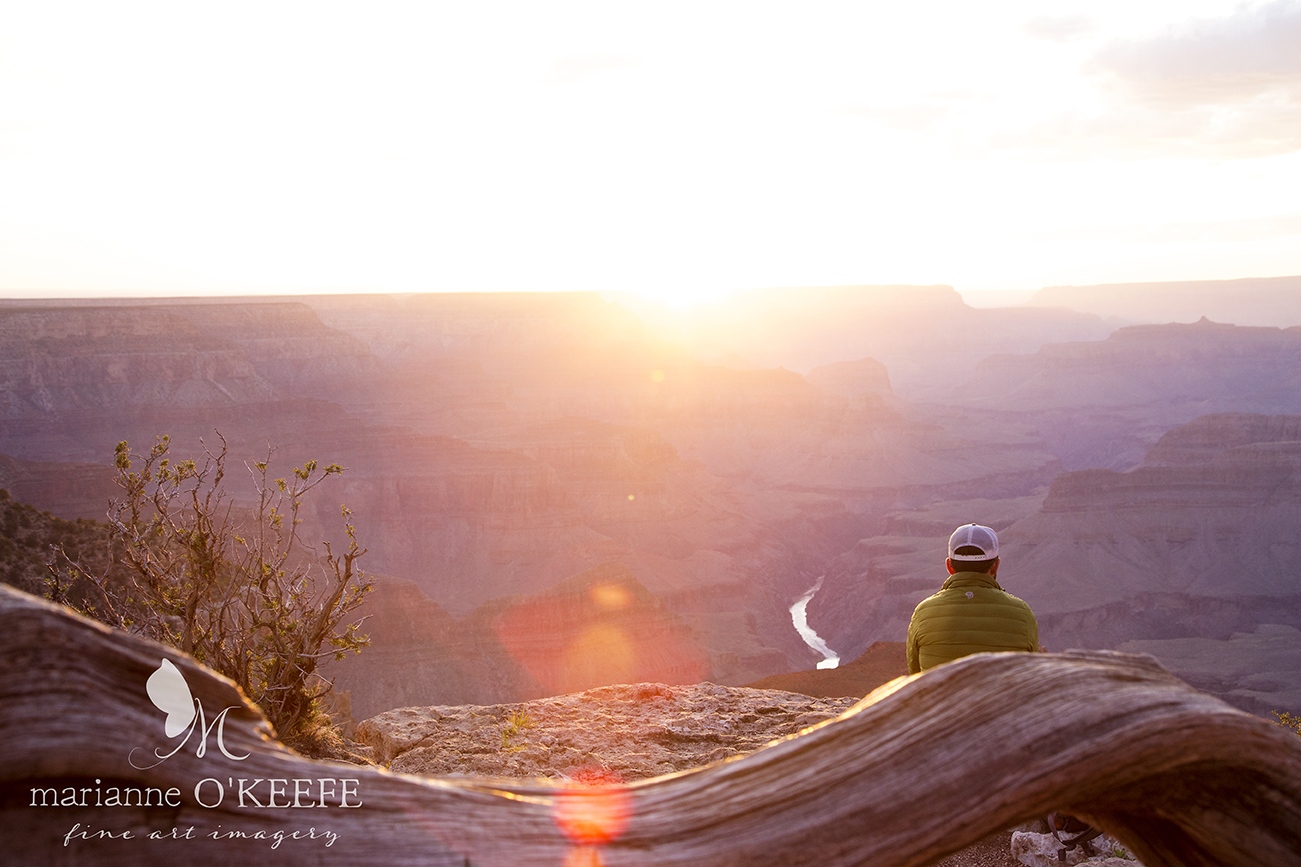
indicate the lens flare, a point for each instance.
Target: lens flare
{"x":610,"y":597}
{"x":583,"y":856}
{"x":592,"y":815}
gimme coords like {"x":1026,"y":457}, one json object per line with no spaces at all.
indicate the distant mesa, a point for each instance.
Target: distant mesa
{"x":1148,"y":366}
{"x":852,"y":378}
{"x":1273,"y":301}
{"x":922,"y":334}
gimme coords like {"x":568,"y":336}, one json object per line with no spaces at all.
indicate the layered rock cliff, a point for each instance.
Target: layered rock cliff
{"x":498,"y":445}
{"x":65,"y":374}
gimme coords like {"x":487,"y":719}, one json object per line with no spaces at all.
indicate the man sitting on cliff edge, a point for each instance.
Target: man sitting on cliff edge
{"x":971,"y":613}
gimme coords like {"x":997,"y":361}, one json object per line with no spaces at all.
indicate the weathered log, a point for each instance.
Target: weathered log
{"x":919,"y":769}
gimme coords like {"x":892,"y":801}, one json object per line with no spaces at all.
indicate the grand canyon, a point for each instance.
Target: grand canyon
{"x":559,"y":492}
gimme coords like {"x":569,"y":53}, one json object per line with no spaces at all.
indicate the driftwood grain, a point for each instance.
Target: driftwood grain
{"x":919,"y":769}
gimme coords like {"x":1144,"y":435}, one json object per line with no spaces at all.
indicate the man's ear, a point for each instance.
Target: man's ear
{"x":949,"y":563}
{"x":993,"y":568}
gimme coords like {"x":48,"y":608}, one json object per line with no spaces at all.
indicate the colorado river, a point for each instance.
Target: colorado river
{"x":799,"y":616}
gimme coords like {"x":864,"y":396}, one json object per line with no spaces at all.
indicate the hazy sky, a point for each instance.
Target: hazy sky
{"x":669,"y":148}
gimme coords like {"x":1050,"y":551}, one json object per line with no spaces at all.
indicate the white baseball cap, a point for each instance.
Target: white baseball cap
{"x":977,"y":537}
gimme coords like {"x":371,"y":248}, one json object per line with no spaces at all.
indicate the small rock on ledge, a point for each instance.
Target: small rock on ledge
{"x":1040,"y":850}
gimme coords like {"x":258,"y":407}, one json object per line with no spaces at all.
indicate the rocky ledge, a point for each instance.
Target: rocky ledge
{"x":636,"y":731}
{"x":625,"y":732}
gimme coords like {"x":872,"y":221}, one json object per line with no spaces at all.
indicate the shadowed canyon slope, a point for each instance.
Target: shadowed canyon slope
{"x":501,"y":447}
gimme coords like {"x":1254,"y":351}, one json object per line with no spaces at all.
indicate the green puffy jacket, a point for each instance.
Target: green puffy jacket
{"x":970,"y":614}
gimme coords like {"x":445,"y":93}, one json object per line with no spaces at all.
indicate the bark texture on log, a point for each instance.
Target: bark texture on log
{"x":919,"y":769}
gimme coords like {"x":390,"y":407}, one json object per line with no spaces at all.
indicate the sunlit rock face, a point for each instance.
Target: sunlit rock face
{"x":75,"y":378}
{"x":1144,"y":365}
{"x":852,"y":378}
{"x":1207,"y":438}
{"x":600,"y":627}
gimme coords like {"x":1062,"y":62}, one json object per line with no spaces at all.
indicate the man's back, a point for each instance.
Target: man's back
{"x":970,"y":614}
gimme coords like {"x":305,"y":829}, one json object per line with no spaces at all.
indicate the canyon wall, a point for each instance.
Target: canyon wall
{"x":1199,"y":544}
{"x":498,"y":446}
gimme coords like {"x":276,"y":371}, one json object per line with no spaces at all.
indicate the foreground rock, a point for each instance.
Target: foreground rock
{"x":627,"y":732}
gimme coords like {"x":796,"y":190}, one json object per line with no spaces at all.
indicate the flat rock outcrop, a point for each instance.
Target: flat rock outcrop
{"x":622,"y":732}
{"x":1204,"y":439}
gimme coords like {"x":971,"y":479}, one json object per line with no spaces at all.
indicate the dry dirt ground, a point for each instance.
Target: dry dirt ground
{"x":993,"y":851}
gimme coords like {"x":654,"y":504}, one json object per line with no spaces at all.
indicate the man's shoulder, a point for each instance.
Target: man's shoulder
{"x":996,"y":594}
{"x":1017,"y":600}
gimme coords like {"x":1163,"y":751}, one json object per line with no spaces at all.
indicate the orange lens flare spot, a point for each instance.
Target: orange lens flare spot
{"x":592,"y":816}
{"x":583,"y":856}
{"x":611,"y":597}
{"x":657,"y":376}
{"x":601,"y":654}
